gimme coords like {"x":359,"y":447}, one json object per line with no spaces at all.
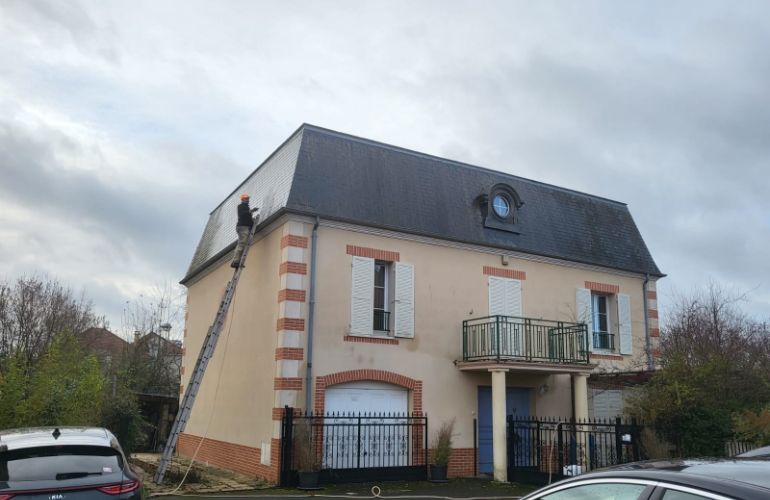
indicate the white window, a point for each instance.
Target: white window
{"x":382,"y":300}
{"x":608,"y":318}
{"x":603,"y":337}
{"x":381,"y":314}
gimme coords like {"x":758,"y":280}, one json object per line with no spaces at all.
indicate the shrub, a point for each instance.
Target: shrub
{"x":305,"y":456}
{"x":442,"y":443}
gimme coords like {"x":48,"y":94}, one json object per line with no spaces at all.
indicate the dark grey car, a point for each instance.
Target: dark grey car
{"x":64,"y":463}
{"x":713,"y":479}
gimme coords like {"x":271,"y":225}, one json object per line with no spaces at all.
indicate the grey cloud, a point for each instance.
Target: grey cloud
{"x":659,"y":105}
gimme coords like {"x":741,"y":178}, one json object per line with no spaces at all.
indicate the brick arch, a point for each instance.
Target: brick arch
{"x":324,"y":381}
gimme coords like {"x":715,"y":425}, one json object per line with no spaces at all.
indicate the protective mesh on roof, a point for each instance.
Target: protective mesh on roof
{"x":268,"y":188}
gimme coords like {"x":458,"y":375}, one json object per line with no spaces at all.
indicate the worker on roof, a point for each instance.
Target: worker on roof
{"x":243,"y":228}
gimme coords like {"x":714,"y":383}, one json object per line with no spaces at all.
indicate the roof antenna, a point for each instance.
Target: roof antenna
{"x":56,"y":433}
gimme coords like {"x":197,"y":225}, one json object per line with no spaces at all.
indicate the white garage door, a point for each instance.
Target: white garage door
{"x":365,"y":429}
{"x":366,"y":397}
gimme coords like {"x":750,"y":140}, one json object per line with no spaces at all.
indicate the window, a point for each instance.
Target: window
{"x":382,"y":301}
{"x":381,"y":314}
{"x":501,"y":206}
{"x":603,"y":338}
{"x":607,"y":318}
{"x":609,"y":491}
{"x":681,"y":495}
{"x":50,"y":463}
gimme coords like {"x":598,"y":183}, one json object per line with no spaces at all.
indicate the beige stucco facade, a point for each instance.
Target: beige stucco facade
{"x":261,"y":360}
{"x":235,"y":399}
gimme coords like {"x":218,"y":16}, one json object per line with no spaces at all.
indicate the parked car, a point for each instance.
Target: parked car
{"x":715,"y":479}
{"x":64,"y":463}
{"x":762,"y":452}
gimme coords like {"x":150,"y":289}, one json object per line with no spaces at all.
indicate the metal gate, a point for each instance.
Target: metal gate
{"x":354,"y":447}
{"x":542,"y":450}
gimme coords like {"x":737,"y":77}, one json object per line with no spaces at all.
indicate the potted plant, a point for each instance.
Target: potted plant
{"x":442,"y":448}
{"x":305,"y":456}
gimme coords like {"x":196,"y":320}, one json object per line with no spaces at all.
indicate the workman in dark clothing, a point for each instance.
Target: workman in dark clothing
{"x":243,"y":228}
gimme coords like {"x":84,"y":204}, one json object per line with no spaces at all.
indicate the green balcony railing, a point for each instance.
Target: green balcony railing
{"x":508,"y":338}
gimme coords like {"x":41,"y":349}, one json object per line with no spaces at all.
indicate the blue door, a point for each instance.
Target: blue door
{"x":516,"y":403}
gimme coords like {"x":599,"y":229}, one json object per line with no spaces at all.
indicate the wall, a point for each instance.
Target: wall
{"x":234,"y":404}
{"x":451,"y":286}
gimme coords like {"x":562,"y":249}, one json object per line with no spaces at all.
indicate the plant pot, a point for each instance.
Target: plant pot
{"x":438,"y":473}
{"x":308,"y":480}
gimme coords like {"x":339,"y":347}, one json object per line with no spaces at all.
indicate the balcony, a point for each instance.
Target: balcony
{"x":508,"y":339}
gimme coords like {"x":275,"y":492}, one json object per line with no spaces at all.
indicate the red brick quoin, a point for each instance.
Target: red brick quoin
{"x":291,"y":240}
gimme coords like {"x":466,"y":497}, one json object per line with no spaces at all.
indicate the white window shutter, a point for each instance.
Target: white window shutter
{"x":513,"y":298}
{"x":504,"y":297}
{"x":496,"y":296}
{"x":404,"y":300}
{"x":583,"y":309}
{"x":624,"y":318}
{"x":362,"y":296}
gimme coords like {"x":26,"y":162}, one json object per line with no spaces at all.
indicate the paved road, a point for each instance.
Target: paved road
{"x":461,"y":488}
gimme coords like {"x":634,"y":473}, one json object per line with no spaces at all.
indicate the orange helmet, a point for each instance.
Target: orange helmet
{"x":244,"y":197}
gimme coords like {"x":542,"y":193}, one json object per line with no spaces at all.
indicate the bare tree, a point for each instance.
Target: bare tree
{"x":155,"y":323}
{"x":33,"y":310}
{"x":163,"y":305}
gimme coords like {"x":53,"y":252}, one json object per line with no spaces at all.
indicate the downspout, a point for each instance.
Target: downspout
{"x":310,"y":314}
{"x":647,"y":339}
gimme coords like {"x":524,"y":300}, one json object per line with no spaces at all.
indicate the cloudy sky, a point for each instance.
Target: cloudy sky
{"x":124,"y":123}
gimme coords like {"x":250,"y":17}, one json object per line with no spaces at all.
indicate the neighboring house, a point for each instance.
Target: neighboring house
{"x":426,"y":285}
{"x":105,"y":345}
{"x":158,"y":396}
{"x":164,"y":360}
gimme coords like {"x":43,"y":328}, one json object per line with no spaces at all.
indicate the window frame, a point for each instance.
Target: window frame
{"x":613,"y":332}
{"x":388,"y":269}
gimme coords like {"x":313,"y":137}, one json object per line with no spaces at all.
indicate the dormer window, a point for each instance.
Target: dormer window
{"x":500,"y":208}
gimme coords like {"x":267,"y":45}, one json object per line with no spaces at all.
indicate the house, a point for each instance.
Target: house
{"x":160,"y":359}
{"x":386,"y":280}
{"x":163,"y":359}
{"x":102,"y":343}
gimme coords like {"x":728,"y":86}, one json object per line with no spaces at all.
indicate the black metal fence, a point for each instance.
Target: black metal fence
{"x":354,"y":447}
{"x":544,"y":449}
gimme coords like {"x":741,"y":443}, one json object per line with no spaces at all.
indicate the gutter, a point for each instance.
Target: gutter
{"x":647,"y":339}
{"x":310,"y":315}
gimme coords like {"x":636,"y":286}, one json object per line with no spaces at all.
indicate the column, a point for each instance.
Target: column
{"x":499,"y":445}
{"x":580,"y":385}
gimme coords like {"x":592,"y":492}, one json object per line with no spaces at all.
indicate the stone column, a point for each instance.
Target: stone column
{"x":499,"y":445}
{"x":580,"y":385}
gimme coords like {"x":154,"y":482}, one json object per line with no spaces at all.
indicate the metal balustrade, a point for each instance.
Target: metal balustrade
{"x":510,"y":338}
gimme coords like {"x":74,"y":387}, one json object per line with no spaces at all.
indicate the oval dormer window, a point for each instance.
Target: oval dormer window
{"x":501,"y":206}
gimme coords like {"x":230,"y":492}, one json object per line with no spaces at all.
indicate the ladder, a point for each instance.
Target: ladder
{"x":206,"y":353}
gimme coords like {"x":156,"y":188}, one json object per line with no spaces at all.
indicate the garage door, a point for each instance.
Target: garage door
{"x":366,"y":397}
{"x":364,"y":428}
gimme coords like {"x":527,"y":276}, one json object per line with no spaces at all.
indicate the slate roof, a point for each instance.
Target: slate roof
{"x":345,"y":178}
